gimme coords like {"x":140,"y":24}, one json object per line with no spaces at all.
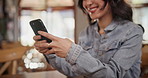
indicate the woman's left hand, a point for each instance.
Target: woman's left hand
{"x":59,"y":46}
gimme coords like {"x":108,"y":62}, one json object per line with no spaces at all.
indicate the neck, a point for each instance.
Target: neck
{"x":104,"y":22}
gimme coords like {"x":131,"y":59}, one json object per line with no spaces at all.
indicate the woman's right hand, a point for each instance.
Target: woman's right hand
{"x":41,"y":46}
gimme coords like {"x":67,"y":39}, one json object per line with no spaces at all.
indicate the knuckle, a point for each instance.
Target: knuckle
{"x":49,"y":52}
{"x":35,"y":45}
{"x":46,"y":35}
{"x":36,"y":48}
{"x":53,"y":49}
{"x":57,"y":53}
{"x":42,"y":51}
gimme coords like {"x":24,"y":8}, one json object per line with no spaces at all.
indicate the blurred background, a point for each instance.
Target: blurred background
{"x":62,"y":18}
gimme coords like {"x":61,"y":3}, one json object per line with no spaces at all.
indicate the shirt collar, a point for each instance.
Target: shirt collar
{"x":96,"y":26}
{"x":111,"y":26}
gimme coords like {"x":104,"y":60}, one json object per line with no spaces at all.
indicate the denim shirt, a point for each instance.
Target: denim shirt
{"x":115,"y":54}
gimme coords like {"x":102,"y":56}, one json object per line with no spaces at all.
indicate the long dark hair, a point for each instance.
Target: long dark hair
{"x":120,"y":9}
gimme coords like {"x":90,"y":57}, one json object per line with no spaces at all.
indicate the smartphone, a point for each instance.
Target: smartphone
{"x":37,"y":25}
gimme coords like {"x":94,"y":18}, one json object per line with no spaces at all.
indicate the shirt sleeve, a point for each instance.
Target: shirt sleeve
{"x":83,"y":63}
{"x":61,"y":65}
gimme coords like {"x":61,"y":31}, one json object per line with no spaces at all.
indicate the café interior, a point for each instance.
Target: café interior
{"x":62,"y":18}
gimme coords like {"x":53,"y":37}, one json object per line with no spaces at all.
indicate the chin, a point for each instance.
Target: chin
{"x":94,"y":18}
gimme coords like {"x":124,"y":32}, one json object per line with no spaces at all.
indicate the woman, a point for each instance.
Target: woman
{"x":109,"y":48}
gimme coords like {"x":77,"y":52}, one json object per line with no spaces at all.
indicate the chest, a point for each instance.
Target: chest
{"x":103,"y":47}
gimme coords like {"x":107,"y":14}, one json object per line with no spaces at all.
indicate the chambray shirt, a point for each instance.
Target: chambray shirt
{"x":115,"y":54}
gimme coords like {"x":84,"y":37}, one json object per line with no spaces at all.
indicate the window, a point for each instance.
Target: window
{"x":140,"y":16}
{"x":58,"y":19}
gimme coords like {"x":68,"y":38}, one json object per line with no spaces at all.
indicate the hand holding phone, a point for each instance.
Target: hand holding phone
{"x":37,"y":25}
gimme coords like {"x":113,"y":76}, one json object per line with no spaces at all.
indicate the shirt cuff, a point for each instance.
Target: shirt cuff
{"x":49,"y":56}
{"x":73,"y":53}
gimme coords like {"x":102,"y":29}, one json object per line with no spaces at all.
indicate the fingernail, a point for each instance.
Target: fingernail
{"x":39,"y":31}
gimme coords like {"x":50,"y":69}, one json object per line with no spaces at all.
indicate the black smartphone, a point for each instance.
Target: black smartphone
{"x":37,"y":25}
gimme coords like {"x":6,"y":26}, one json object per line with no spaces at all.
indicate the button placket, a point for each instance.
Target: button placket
{"x":100,"y":53}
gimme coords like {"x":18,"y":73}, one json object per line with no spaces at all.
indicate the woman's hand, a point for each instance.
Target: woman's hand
{"x":59,"y":46}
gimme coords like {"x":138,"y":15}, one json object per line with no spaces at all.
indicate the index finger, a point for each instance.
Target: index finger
{"x":36,"y":38}
{"x":47,"y":35}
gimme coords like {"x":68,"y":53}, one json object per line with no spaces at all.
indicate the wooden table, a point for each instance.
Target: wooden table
{"x":44,"y":74}
{"x":10,"y":56}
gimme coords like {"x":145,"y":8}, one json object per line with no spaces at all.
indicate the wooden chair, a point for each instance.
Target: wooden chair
{"x":10,"y":56}
{"x":144,"y":65}
{"x":145,"y":56}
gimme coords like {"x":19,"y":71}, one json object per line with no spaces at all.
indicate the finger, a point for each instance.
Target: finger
{"x":51,"y":51}
{"x":37,"y":48}
{"x":47,"y":35}
{"x":40,"y":48}
{"x":36,"y":38}
{"x":58,"y":54}
{"x":57,"y":50}
{"x":40,"y":42}
{"x":42,"y":45}
{"x":52,"y":44}
{"x":43,"y":51}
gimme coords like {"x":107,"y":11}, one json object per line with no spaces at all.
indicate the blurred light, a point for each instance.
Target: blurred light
{"x":33,"y":65}
{"x":29,"y":56}
{"x":27,"y":65}
{"x":53,"y":3}
{"x":33,"y":59}
{"x":35,"y":4}
{"x":36,"y":59}
{"x":27,"y":61}
{"x":139,"y":1}
{"x":41,"y":64}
